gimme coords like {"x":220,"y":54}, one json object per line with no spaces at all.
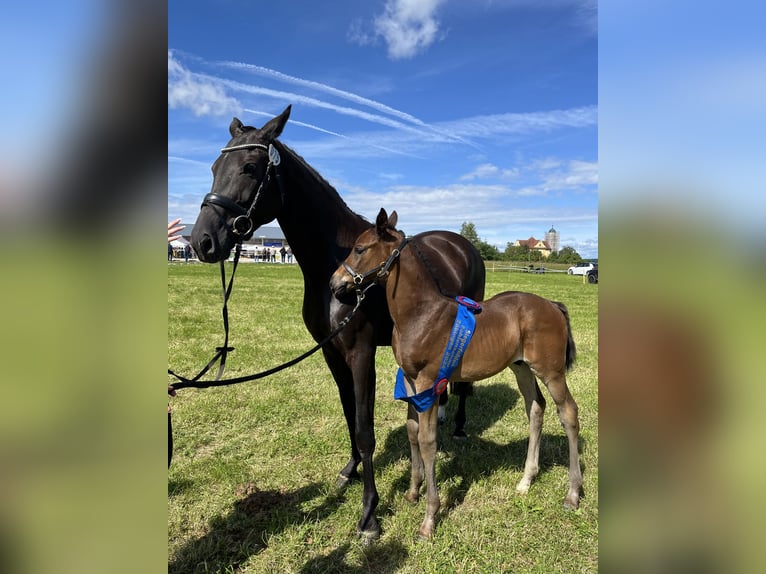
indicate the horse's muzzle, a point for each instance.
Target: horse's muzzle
{"x":340,"y":284}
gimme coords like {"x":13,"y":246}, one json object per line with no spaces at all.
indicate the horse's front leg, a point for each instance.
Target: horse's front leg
{"x":416,"y":479}
{"x":363,"y":369}
{"x":345,"y":382}
{"x":427,"y":427}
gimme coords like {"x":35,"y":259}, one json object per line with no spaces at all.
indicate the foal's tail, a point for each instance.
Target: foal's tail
{"x":571,"y":350}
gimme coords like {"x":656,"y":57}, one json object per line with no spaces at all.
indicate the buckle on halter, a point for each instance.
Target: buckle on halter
{"x":242,"y":225}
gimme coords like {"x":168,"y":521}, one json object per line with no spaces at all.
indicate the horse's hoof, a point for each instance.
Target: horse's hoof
{"x":368,"y":537}
{"x":344,"y":481}
{"x":522,"y":488}
{"x":425,"y":535}
{"x":572,"y":503}
{"x":412,"y":497}
{"x":459,"y":435}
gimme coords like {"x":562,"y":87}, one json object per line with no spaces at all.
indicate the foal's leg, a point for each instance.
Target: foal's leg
{"x":568,"y":415}
{"x":427,"y":441}
{"x":535,"y":407}
{"x":416,"y":479}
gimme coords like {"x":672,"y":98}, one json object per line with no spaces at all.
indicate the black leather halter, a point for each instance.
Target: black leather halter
{"x":380,"y":271}
{"x":242,"y":226}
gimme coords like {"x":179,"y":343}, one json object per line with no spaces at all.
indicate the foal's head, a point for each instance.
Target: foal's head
{"x":374,"y":251}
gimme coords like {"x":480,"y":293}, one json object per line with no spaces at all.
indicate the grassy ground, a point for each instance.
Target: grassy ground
{"x":251,"y":487}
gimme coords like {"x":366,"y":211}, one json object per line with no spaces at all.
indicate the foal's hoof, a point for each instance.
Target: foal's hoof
{"x":425,"y":534}
{"x":459,"y":435}
{"x":412,"y":497}
{"x":572,"y":502}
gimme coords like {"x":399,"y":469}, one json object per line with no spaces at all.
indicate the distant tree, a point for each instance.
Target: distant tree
{"x":468,"y":230}
{"x":568,"y":255}
{"x":516,"y":252}
{"x":488,"y":252}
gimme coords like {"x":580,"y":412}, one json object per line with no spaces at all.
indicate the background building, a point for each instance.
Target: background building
{"x":552,"y":239}
{"x":535,"y":245}
{"x":264,"y":237}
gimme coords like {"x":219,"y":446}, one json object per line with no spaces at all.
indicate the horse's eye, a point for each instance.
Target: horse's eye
{"x":248,"y":169}
{"x":359,"y":249}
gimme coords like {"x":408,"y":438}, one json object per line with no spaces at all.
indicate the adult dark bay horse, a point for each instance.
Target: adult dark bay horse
{"x":257,"y":179}
{"x":521,"y":331}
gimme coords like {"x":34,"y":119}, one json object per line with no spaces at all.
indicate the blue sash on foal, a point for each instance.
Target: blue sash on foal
{"x":462,"y":331}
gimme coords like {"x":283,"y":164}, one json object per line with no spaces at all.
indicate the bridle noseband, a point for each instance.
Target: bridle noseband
{"x":242,"y":226}
{"x":380,"y":271}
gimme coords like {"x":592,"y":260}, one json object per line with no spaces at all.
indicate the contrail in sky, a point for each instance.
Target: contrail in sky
{"x":332,"y":133}
{"x":275,"y":74}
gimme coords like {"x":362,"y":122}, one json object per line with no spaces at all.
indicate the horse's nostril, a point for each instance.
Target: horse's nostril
{"x":206,"y":244}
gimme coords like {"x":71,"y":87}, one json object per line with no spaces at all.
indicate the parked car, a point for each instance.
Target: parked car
{"x":581,"y":268}
{"x":592,"y":275}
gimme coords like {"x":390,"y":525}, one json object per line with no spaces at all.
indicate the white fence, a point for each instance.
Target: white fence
{"x":504,"y":266}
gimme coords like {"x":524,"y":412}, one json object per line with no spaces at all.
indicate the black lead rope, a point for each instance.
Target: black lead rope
{"x":218,"y":382}
{"x":222,"y":351}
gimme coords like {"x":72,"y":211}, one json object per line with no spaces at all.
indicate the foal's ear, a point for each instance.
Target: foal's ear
{"x":236,"y":127}
{"x":274,"y":127}
{"x":381,"y":222}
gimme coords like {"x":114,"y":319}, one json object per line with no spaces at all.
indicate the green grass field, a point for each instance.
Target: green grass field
{"x":252,"y":485}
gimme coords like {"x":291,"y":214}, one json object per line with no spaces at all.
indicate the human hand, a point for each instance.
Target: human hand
{"x":173,"y":229}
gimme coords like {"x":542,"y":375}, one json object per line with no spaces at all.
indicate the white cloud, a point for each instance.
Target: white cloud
{"x":488,"y":170}
{"x":576,"y":175}
{"x":407,"y":26}
{"x":187,"y":90}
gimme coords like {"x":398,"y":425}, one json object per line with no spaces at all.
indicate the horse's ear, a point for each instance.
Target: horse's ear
{"x":392,"y":219}
{"x":381,"y":222}
{"x":236,"y":127}
{"x":273,"y":128}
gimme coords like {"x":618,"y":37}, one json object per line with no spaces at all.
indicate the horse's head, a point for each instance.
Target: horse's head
{"x":371,"y":257}
{"x":245,"y":192}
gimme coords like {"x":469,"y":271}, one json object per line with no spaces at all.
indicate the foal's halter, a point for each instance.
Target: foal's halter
{"x":242,"y":226}
{"x":380,"y":271}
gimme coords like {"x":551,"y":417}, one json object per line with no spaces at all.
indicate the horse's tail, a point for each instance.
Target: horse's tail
{"x":571,"y":350}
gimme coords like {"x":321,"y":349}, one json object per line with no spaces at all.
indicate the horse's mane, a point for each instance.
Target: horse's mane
{"x":332,"y":208}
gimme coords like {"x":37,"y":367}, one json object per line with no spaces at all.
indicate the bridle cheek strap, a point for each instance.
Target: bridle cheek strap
{"x":243,"y":226}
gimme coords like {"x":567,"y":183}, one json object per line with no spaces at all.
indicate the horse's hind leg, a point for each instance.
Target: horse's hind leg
{"x":462,"y":390}
{"x":534,"y":404}
{"x":567,"y":408}
{"x":443,"y":400}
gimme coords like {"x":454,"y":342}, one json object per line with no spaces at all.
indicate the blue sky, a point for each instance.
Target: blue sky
{"x":446,"y":111}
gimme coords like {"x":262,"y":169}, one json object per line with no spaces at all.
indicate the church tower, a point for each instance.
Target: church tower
{"x":552,"y":239}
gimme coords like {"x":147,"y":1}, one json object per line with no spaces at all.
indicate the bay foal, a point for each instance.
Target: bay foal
{"x":521,"y":331}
